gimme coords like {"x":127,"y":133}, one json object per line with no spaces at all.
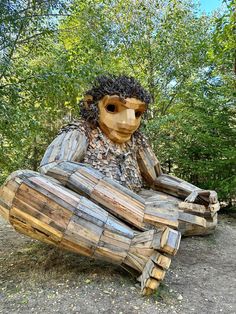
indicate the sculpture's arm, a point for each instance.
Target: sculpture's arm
{"x":61,"y":163}
{"x":118,"y":200}
{"x":71,"y":145}
{"x":151,"y":171}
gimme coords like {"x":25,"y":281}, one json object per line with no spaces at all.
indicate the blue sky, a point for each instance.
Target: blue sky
{"x":209,"y":5}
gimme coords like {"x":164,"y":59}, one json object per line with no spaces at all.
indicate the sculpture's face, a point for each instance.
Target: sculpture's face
{"x":120,"y":118}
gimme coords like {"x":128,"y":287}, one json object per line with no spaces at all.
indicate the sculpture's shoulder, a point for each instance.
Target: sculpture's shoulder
{"x":70,"y":143}
{"x":79,"y":125}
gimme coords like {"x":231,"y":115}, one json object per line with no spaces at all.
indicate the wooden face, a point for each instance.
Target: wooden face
{"x":120,"y":118}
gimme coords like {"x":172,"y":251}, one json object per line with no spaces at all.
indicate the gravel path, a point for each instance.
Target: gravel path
{"x":36,"y":278}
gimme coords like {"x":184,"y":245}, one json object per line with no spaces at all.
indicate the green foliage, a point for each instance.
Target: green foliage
{"x":196,"y":140}
{"x":51,"y":51}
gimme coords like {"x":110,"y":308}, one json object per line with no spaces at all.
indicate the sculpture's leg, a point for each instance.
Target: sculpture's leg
{"x":193,"y":219}
{"x":39,"y":207}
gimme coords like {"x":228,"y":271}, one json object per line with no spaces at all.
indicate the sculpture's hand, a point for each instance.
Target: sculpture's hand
{"x":206,"y":195}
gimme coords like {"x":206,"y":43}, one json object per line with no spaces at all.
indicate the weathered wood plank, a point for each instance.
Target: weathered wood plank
{"x":79,"y":229}
{"x":31,"y":232}
{"x":170,"y":241}
{"x":80,"y":247}
{"x":195,"y":220}
{"x":49,"y":231}
{"x":91,"y":212}
{"x":81,"y":184}
{"x":117,"y":226}
{"x":161,"y":260}
{"x":161,"y":216}
{"x":41,"y":205}
{"x":126,"y":191}
{"x":118,"y":203}
{"x":108,"y":253}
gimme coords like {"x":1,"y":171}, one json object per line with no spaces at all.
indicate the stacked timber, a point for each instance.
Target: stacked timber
{"x":42,"y":208}
{"x":143,"y":211}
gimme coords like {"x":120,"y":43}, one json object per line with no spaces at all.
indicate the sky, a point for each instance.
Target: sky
{"x":209,"y":5}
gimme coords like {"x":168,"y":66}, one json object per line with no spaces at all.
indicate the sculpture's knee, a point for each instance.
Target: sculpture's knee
{"x":9,"y":189}
{"x":16,"y":175}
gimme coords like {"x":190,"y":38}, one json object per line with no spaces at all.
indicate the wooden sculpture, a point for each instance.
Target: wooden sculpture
{"x":101,"y":191}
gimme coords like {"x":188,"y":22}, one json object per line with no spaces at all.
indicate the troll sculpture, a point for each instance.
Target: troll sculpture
{"x":101,"y":192}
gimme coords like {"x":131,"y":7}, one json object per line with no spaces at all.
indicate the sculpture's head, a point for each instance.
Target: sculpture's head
{"x":116,"y":104}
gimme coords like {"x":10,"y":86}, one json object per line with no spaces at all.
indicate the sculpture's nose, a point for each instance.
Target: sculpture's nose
{"x":127,"y":119}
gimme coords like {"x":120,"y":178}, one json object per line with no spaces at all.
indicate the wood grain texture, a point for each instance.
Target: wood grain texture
{"x":148,"y":164}
{"x":49,"y":212}
{"x":188,"y":218}
{"x":70,"y":144}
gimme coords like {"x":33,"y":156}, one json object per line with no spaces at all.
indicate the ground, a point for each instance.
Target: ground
{"x":37,"y":278}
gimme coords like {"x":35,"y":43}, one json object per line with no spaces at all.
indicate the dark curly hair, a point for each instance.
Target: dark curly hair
{"x":122,"y":85}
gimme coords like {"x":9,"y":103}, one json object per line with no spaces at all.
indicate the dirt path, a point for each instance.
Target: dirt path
{"x":37,"y":278}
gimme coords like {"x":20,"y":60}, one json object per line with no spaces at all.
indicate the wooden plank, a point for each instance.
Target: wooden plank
{"x":117,"y":238}
{"x":91,"y":212}
{"x":53,"y":149}
{"x":118,"y":203}
{"x":214,"y":208}
{"x":109,"y":255}
{"x":35,"y":223}
{"x":32,"y":212}
{"x":161,"y":260}
{"x":78,"y":147}
{"x":161,"y":216}
{"x":128,"y":261}
{"x":147,"y":291}
{"x":41,"y":205}
{"x":143,"y":240}
{"x":81,"y":184}
{"x":135,"y":262}
{"x":117,"y":226}
{"x":141,"y":251}
{"x":80,"y":229}
{"x":146,"y":165}
{"x":200,"y":210}
{"x":153,"y":270}
{"x":157,"y":238}
{"x":126,"y":191}
{"x":90,"y":173}
{"x":79,"y":248}
{"x":57,"y":190}
{"x":7,"y":195}
{"x":54,"y":170}
{"x":59,"y":194}
{"x":152,"y":284}
{"x":195,"y":220}
{"x":4,"y":210}
{"x":114,"y":249}
{"x":157,"y":273}
{"x":31,"y":232}
{"x":170,"y":241}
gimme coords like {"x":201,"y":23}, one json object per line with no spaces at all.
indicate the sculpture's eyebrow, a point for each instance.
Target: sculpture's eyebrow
{"x":128,"y":104}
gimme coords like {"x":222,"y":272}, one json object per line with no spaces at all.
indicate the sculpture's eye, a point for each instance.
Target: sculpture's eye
{"x":138,"y":114}
{"x":111,"y":108}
